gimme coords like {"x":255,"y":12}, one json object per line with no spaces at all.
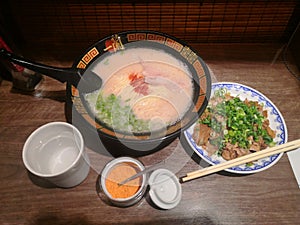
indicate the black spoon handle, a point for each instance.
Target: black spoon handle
{"x":61,"y":74}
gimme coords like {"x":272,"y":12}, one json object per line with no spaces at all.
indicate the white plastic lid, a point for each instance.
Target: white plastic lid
{"x":165,"y":189}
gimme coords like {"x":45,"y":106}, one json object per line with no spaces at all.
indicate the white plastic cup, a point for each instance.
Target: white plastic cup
{"x":56,"y":152}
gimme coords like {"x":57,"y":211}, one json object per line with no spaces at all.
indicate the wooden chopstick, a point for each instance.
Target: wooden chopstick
{"x":243,"y":159}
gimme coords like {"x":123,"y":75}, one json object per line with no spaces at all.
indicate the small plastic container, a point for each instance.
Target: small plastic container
{"x":116,"y":171}
{"x":165,"y":189}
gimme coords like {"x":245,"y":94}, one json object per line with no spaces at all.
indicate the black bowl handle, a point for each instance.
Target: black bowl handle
{"x":61,"y":74}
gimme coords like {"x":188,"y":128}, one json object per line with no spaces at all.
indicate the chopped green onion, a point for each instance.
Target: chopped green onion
{"x":117,"y":115}
{"x":243,"y":120}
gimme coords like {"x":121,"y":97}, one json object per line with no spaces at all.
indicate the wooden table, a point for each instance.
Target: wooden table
{"x":268,"y":197}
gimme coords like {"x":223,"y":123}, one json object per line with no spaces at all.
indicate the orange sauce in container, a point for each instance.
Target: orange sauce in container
{"x":119,"y":173}
{"x":115,"y":172}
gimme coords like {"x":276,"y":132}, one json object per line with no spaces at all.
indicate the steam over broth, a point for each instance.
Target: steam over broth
{"x":143,"y":96}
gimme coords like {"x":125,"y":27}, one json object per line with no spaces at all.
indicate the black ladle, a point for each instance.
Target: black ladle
{"x":84,"y":81}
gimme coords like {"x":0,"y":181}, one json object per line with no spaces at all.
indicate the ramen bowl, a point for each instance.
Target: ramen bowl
{"x":154,"y":86}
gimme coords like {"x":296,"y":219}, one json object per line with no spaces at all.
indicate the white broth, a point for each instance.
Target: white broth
{"x":140,"y":94}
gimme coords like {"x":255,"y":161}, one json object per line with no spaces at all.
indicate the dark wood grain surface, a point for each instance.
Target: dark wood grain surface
{"x":268,"y":197}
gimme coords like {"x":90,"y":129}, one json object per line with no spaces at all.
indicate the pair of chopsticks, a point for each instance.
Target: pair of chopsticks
{"x":241,"y":160}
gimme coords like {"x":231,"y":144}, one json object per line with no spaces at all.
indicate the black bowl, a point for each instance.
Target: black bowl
{"x":101,"y":137}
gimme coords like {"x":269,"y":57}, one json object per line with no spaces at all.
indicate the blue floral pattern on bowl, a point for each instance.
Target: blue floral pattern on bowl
{"x":277,"y":123}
